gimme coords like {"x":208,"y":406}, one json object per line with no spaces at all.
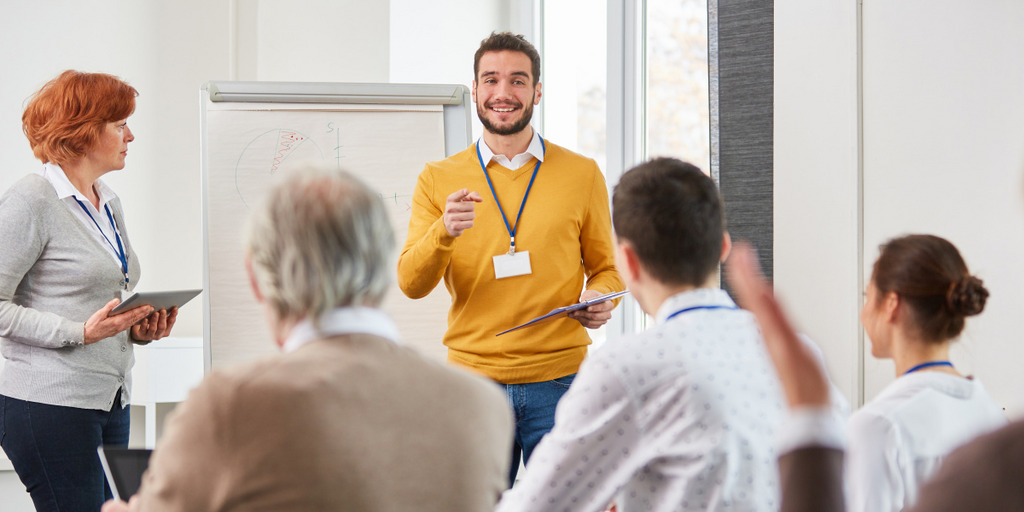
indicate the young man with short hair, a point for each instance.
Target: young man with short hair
{"x":679,"y":417}
{"x":516,"y":226}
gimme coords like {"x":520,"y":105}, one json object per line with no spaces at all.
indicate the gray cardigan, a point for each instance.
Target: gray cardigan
{"x":53,"y":276}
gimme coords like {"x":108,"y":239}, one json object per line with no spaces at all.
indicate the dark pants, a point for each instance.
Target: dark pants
{"x":533,"y":405}
{"x":53,"y":450}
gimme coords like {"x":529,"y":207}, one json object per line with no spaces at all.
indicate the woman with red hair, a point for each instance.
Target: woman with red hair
{"x":65,"y":260}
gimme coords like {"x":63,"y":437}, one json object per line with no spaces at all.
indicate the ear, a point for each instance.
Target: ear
{"x":472,"y":91}
{"x":630,"y":261}
{"x":536,"y":94}
{"x":726,"y":247}
{"x":891,"y":306}
{"x":252,"y":279}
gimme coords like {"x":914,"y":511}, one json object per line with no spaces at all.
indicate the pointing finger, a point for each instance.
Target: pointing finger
{"x":459,"y":195}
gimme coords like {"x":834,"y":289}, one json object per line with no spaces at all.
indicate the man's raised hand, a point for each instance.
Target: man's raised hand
{"x":459,"y":211}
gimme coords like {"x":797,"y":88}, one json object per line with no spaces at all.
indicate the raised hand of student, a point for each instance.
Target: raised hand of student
{"x":459,"y":211}
{"x":803,"y":380}
{"x":594,"y":316}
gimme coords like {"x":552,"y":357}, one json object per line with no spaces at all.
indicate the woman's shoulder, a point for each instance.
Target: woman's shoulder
{"x":32,"y":192}
{"x":32,"y":188}
{"x":883,"y":413}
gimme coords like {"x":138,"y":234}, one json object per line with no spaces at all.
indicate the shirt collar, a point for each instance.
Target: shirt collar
{"x":56,"y":176}
{"x":535,"y":150}
{"x":352,"y":320}
{"x":693,"y":298}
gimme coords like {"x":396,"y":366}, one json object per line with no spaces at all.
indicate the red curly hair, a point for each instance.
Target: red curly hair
{"x":65,"y":118}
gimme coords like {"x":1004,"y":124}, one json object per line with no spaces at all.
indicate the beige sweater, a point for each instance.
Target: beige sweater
{"x":352,"y":422}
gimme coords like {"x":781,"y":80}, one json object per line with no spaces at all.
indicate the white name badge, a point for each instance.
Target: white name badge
{"x":510,"y":265}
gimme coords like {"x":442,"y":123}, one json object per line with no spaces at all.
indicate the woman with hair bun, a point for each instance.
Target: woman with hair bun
{"x":916,"y":302}
{"x":65,"y":259}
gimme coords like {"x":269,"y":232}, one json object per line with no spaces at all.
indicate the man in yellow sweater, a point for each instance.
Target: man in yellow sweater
{"x":516,"y":226}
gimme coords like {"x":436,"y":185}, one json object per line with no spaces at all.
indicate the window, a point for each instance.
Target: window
{"x":676,"y":113}
{"x":574,"y":76}
{"x":624,"y":81}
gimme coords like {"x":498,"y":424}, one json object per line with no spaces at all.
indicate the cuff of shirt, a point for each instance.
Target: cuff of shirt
{"x":811,"y":426}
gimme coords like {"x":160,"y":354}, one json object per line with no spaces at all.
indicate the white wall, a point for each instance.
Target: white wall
{"x":434,"y":42}
{"x":929,"y":141}
{"x":321,"y":40}
{"x":816,"y":166}
{"x":167,"y":50}
{"x":944,"y":154}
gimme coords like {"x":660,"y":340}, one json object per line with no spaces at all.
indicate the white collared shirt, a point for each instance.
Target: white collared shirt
{"x":899,"y":439}
{"x":361,"y":320}
{"x":534,"y":150}
{"x":681,"y":417}
{"x":68,"y":194}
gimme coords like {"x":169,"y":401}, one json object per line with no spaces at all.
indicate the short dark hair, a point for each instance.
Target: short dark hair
{"x":931,"y":278}
{"x":501,"y":41}
{"x":672,"y":215}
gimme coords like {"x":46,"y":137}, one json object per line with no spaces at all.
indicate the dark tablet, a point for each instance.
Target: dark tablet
{"x":159,"y":300}
{"x":124,"y":468}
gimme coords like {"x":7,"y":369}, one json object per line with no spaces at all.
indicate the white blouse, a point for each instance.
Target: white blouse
{"x":899,"y":439}
{"x":95,"y":221}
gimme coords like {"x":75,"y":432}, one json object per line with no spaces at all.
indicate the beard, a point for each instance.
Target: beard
{"x":516,"y":127}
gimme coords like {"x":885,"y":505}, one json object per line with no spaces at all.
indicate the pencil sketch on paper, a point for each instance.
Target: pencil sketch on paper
{"x":268,"y":152}
{"x":264,"y":155}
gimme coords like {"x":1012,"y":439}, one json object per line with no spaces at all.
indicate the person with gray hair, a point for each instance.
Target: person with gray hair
{"x":345,"y":418}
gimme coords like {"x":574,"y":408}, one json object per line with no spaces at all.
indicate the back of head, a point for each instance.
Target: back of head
{"x":931,"y":278}
{"x":66,"y":116}
{"x":672,"y":215}
{"x":321,"y":239}
{"x":507,"y":41}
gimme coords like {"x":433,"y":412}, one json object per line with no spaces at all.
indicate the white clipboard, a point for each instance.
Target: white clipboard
{"x":563,"y":311}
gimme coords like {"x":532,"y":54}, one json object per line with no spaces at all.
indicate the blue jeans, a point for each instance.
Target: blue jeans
{"x":53,"y":450}
{"x":533,"y":406}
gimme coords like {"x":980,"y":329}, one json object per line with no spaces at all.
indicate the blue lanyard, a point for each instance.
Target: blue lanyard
{"x":929,"y":364}
{"x":120,"y":248}
{"x":694,"y":308}
{"x":511,"y":229}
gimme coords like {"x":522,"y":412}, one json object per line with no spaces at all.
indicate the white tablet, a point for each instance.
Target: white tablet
{"x":159,"y":300}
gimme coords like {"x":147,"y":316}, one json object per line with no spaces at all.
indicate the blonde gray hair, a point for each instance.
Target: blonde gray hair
{"x":321,"y":239}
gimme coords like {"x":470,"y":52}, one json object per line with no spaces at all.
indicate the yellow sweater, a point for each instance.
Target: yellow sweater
{"x":565,"y":226}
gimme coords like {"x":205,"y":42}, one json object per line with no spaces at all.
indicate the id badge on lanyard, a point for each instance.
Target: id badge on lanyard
{"x":122,"y":256}
{"x":511,"y":265}
{"x":514,"y":263}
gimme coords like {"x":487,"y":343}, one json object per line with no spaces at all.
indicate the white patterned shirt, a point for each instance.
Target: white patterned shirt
{"x":681,"y":417}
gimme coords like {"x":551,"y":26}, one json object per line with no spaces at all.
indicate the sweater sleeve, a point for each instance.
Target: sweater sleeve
{"x":428,"y":246}
{"x":811,"y":479}
{"x":189,"y":470}
{"x":21,"y":245}
{"x":596,"y":241}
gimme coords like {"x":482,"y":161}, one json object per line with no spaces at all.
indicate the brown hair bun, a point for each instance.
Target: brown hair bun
{"x":967,"y":296}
